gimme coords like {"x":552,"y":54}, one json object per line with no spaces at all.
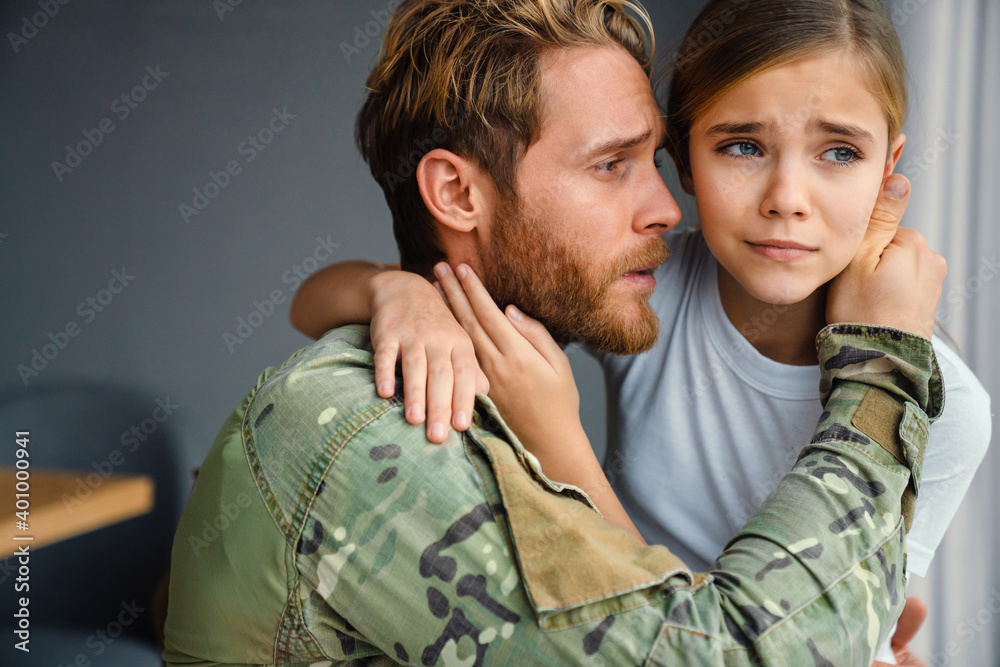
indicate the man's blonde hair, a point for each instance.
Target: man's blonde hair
{"x":465,"y":75}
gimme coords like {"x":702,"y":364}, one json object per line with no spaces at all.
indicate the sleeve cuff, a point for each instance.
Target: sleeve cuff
{"x":883,"y":385}
{"x":900,"y":363}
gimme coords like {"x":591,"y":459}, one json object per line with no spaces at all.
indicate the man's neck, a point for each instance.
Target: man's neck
{"x":784,"y":333}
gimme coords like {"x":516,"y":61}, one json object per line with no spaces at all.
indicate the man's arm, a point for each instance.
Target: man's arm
{"x":846,"y":501}
{"x":461,"y":550}
{"x":466,"y":549}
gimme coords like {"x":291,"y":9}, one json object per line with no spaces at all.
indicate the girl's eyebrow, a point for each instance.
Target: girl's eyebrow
{"x":854,"y":132}
{"x":845,"y":130}
{"x":741,"y":128}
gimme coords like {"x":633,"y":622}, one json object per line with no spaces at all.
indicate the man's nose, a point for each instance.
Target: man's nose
{"x":659,"y":211}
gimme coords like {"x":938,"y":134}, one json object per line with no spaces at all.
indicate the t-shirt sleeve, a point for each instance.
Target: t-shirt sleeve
{"x":956,"y":446}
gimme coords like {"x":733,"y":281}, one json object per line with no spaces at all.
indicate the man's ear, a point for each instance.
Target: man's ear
{"x":453,"y":190}
{"x":680,"y":152}
{"x":895,"y":150}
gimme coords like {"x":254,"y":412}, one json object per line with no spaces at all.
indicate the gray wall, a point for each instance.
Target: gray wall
{"x":66,"y":231}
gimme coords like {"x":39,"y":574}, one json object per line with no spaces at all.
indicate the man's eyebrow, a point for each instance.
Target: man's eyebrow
{"x":741,"y":128}
{"x":846,"y":130}
{"x":618,"y":144}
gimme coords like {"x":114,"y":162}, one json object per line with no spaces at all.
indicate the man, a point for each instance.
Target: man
{"x":339,"y":534}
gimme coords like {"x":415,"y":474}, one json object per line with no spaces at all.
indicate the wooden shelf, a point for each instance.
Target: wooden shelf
{"x":66,"y":503}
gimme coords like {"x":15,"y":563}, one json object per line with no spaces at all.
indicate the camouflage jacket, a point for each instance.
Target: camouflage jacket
{"x":324,"y":529}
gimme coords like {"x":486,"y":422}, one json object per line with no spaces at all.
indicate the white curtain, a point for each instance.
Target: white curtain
{"x":952,"y":157}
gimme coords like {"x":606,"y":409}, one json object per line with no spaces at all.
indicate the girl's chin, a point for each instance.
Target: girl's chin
{"x":779,"y":295}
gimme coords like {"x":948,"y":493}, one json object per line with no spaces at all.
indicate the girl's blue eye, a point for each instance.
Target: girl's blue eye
{"x":741,"y":149}
{"x":841,"y":155}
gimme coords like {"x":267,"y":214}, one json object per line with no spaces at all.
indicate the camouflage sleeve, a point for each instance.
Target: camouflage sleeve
{"x":463,"y":553}
{"x":815,"y":577}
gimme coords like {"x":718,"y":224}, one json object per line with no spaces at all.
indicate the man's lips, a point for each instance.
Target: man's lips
{"x":780,"y":249}
{"x":641,"y":276}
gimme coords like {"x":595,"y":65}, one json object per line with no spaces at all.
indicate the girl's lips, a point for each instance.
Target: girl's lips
{"x":782,"y":251}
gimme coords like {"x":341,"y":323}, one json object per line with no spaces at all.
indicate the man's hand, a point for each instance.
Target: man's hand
{"x":914,"y":613}
{"x":895,"y":279}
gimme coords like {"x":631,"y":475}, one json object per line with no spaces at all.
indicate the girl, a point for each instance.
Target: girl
{"x":785,"y":119}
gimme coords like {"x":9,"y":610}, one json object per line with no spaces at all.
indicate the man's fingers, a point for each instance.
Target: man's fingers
{"x":910,"y":620}
{"x":885,"y":218}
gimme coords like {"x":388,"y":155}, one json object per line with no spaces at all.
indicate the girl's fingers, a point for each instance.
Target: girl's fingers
{"x":386,"y":356}
{"x":463,"y":311}
{"x":414,"y":366}
{"x":440,"y":384}
{"x":482,"y":382}
{"x":536,"y":334}
{"x":464,"y":398}
{"x":491,"y":318}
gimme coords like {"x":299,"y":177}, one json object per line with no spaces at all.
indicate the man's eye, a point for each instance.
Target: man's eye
{"x":658,"y":157}
{"x":609,"y":166}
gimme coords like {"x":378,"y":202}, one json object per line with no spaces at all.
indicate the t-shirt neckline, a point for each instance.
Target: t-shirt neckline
{"x":767,"y":375}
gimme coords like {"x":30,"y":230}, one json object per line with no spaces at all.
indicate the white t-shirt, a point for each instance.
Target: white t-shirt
{"x":702,"y":427}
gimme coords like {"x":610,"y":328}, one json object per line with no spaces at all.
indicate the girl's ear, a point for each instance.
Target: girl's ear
{"x":895,"y":150}
{"x":679,"y":151}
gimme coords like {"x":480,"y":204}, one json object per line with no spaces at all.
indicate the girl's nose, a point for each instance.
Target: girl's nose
{"x":786,"y":196}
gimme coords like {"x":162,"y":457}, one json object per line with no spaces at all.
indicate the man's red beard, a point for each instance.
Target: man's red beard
{"x":526,"y":265}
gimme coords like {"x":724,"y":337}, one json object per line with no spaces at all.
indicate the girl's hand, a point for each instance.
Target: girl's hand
{"x":412,"y":326}
{"x":530,"y":378}
{"x":532,"y":384}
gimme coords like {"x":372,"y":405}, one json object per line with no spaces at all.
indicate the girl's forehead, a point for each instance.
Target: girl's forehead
{"x":796,"y":94}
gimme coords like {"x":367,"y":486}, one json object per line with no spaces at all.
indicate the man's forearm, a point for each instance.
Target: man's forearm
{"x":816,"y":574}
{"x":467,"y":540}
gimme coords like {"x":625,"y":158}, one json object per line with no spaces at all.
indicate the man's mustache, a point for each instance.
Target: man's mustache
{"x":655,"y":252}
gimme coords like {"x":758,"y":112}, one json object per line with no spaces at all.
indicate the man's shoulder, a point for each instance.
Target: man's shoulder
{"x":309,"y":408}
{"x":348,"y":347}
{"x":319,"y":386}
